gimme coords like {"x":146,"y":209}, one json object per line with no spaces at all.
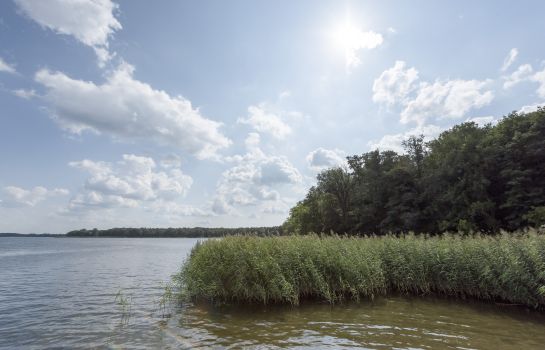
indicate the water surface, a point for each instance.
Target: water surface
{"x":60,"y":293}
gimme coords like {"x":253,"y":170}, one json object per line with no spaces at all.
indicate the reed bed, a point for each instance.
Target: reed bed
{"x":508,"y":268}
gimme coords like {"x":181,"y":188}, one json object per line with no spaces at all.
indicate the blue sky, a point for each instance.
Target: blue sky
{"x":209,"y":113}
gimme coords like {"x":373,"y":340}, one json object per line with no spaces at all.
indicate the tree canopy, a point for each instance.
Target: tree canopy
{"x":470,"y":178}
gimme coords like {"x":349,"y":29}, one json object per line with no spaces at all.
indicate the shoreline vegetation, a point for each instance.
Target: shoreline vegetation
{"x":505,"y":268}
{"x":182,"y":232}
{"x":146,"y":232}
{"x":29,"y":235}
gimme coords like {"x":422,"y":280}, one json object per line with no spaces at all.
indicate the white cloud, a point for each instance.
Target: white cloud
{"x":174,"y":209}
{"x":254,"y":178}
{"x":393,"y":141}
{"x":278,"y":207}
{"x":127,"y":108}
{"x":362,"y":40}
{"x":482,"y":121}
{"x":531,"y":108}
{"x":522,"y":73}
{"x":322,"y":158}
{"x":277,"y":170}
{"x":5,"y":67}
{"x":96,"y":200}
{"x":511,"y":57}
{"x":394,"y":84}
{"x":92,"y":22}
{"x":266,"y":121}
{"x":13,"y":196}
{"x":25,"y":94}
{"x":539,"y":78}
{"x":438,"y":100}
{"x":220,"y":207}
{"x":352,"y":39}
{"x":446,"y":99}
{"x":129,"y":183}
{"x":171,"y":160}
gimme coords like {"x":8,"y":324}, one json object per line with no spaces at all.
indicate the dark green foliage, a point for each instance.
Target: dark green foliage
{"x":242,"y":269}
{"x":185,"y":232}
{"x":536,"y":216}
{"x":469,"y":179}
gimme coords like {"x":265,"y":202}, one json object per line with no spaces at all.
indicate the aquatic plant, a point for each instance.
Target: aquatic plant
{"x":124,"y":302}
{"x":166,"y":300}
{"x":507,"y":268}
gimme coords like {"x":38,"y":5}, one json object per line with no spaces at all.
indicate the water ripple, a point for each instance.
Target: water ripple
{"x":60,"y":293}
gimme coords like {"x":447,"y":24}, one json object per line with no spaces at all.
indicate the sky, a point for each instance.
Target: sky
{"x":221,"y":113}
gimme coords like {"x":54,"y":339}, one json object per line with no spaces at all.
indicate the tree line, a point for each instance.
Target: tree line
{"x":182,"y":232}
{"x":471,"y":178}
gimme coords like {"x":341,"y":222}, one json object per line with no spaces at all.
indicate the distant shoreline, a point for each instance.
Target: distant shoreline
{"x":30,"y":235}
{"x":143,"y":232}
{"x":180,"y":232}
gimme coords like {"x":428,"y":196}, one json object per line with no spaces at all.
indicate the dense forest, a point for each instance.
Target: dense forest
{"x":470,"y":178}
{"x":185,"y":232}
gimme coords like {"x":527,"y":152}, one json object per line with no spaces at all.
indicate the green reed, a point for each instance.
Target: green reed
{"x":507,"y":268}
{"x":124,"y":302}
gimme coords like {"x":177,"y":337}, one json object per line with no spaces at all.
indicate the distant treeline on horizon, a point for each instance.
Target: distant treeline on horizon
{"x":13,"y":234}
{"x":186,"y":232}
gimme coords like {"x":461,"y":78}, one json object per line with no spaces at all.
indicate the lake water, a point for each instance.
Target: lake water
{"x":61,"y":293}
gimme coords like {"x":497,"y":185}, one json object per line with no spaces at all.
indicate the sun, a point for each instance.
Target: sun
{"x":346,"y":36}
{"x":349,"y":39}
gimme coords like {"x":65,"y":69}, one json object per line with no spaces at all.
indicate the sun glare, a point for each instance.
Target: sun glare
{"x":346,"y":36}
{"x":350,"y":39}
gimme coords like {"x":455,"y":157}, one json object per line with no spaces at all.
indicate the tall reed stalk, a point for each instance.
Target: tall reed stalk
{"x":245,"y":269}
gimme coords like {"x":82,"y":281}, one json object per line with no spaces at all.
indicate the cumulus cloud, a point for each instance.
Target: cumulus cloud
{"x":393,"y":141}
{"x":531,"y":108}
{"x":129,"y":183}
{"x":5,"y":67}
{"x":127,"y":108}
{"x":221,"y":207}
{"x":439,"y":99}
{"x":171,"y":160}
{"x":539,"y":78}
{"x":322,"y":158}
{"x":174,"y":209}
{"x":525,"y":73}
{"x":510,"y":59}
{"x":394,"y":84}
{"x":279,"y":207}
{"x":522,"y":73}
{"x":266,"y":121}
{"x":13,"y":196}
{"x":254,"y":178}
{"x":446,"y":99}
{"x":92,"y":22}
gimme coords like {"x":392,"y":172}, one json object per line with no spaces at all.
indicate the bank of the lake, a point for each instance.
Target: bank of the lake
{"x":507,"y":269}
